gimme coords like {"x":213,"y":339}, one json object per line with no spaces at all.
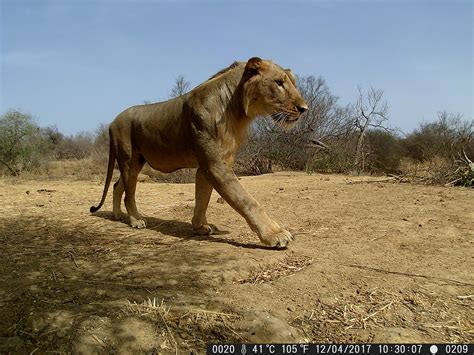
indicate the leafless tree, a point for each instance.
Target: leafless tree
{"x":325,"y":119}
{"x":370,"y":112}
{"x":181,"y":86}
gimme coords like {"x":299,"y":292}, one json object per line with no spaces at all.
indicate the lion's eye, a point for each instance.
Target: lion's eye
{"x":279,"y":82}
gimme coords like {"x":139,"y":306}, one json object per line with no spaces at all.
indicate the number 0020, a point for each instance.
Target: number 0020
{"x":223,"y":349}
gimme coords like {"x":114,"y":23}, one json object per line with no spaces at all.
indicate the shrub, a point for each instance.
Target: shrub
{"x":23,"y":145}
{"x":384,"y":152}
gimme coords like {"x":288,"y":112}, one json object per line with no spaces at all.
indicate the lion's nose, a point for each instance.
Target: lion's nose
{"x":302,"y":108}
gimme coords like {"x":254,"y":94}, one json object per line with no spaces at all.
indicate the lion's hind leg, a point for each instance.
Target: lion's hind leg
{"x":203,"y":191}
{"x":119,"y":189}
{"x":129,"y":173}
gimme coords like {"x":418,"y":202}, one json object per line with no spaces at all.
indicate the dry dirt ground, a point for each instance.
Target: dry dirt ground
{"x":372,"y":262}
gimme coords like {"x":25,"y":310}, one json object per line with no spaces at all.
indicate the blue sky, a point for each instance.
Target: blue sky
{"x":77,"y":64}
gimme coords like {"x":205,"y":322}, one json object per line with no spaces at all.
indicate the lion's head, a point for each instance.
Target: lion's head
{"x":271,"y":91}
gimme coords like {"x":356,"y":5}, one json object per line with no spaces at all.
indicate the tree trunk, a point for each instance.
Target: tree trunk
{"x":14,"y":173}
{"x":360,"y":145}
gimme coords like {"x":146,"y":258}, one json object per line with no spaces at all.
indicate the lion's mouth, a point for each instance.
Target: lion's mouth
{"x":285,"y":119}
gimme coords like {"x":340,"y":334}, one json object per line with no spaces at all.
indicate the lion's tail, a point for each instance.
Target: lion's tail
{"x":110,"y":170}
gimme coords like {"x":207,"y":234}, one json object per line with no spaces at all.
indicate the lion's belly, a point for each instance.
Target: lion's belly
{"x":168,"y":162}
{"x":165,"y":143}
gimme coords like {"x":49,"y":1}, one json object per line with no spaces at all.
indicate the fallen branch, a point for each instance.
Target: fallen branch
{"x":196,"y":310}
{"x":370,"y":181}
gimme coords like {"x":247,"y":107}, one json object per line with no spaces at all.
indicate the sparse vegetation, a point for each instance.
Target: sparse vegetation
{"x":373,"y":261}
{"x":331,"y":138}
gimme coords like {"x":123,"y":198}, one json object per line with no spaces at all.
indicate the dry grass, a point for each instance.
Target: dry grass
{"x":94,"y":168}
{"x":290,"y":265}
{"x":438,"y":171}
{"x":421,"y":309}
{"x":194,"y":327}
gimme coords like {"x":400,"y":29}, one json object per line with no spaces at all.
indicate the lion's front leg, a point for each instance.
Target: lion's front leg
{"x":226,"y":183}
{"x":211,"y":153}
{"x":203,"y":191}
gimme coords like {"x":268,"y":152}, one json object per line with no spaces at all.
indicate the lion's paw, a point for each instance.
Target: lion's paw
{"x":279,"y":239}
{"x":120,"y":216}
{"x":137,"y":223}
{"x":205,"y":229}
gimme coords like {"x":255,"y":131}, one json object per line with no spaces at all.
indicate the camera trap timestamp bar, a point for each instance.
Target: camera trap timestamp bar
{"x":336,"y":349}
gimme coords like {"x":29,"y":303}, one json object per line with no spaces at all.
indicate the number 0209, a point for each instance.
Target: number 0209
{"x":457,"y":349}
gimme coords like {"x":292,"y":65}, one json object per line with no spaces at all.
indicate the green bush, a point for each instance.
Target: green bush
{"x":23,"y":145}
{"x":384,"y":152}
{"x":445,"y":138}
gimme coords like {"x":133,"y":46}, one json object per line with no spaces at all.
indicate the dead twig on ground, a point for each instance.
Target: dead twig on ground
{"x":71,"y":255}
{"x":462,"y":283}
{"x":379,"y":310}
{"x":287,"y":267}
{"x":100,"y":341}
{"x":196,"y":310}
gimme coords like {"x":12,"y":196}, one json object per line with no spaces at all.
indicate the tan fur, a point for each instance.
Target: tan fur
{"x":204,"y":129}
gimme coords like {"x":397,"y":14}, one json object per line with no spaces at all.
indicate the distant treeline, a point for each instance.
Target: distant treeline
{"x":355,"y":138}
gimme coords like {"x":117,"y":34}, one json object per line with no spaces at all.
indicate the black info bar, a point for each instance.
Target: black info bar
{"x":336,"y":349}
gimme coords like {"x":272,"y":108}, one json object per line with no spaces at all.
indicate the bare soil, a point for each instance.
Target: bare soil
{"x":372,"y":262}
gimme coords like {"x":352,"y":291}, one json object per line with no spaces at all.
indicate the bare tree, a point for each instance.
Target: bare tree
{"x":325,"y":119}
{"x":181,"y":86}
{"x":370,"y":112}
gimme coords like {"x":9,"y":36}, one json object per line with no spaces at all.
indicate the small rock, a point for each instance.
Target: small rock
{"x":220,"y":200}
{"x":27,"y":192}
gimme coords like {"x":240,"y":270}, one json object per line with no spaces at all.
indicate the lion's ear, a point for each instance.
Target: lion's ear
{"x":255,"y":65}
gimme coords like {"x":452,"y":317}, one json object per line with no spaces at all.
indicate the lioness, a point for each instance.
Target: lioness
{"x":204,"y":129}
